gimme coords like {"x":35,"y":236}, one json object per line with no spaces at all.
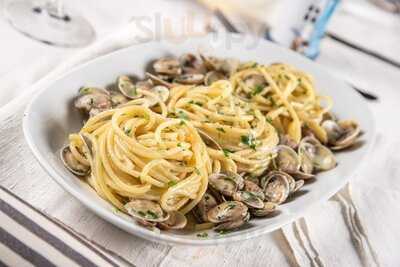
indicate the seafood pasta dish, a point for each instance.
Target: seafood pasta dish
{"x":204,"y":142}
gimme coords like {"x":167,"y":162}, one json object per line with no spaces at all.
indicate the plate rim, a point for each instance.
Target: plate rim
{"x":166,"y":239}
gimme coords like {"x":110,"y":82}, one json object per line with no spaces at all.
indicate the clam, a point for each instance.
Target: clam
{"x":321,"y":157}
{"x":226,"y":66}
{"x":127,"y":87}
{"x":276,"y":186}
{"x":287,"y":159}
{"x":230,"y":225}
{"x":306,"y":167}
{"x":194,"y":78}
{"x":72,"y":164}
{"x":92,"y":90}
{"x":188,"y":60}
{"x":208,"y":140}
{"x":227,"y":183}
{"x":252,"y":187}
{"x":86,"y":102}
{"x":229,"y":66}
{"x":211,"y":63}
{"x":207,"y":202}
{"x":176,"y":220}
{"x":286,"y":140}
{"x":117,"y":98}
{"x":162,"y":93}
{"x":158,"y":80}
{"x":146,"y":210}
{"x":341,"y":134}
{"x":267,"y":209}
{"x":87,"y":145}
{"x":298,"y":184}
{"x":213,"y":76}
{"x":168,"y":66}
{"x":94,"y":111}
{"x":248,"y":198}
{"x":229,"y":215}
{"x":255,"y":80}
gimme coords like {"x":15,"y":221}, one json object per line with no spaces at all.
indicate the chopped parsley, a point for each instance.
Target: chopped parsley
{"x":227,"y":152}
{"x":172,"y":183}
{"x":268,"y":119}
{"x":202,"y":235}
{"x":85,"y":90}
{"x":196,"y":103}
{"x":196,"y":171}
{"x":128,"y":131}
{"x":221,"y":129}
{"x":249,"y":141}
{"x":257,"y":89}
{"x":148,"y":214}
{"x":272,"y":101}
{"x":255,"y":64}
{"x":231,"y":206}
{"x":179,"y":144}
{"x":132,"y":91}
{"x":223,"y":231}
{"x":182,"y":122}
{"x":182,"y":115}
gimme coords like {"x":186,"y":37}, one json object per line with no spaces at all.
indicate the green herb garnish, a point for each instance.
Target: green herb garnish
{"x":172,"y":183}
{"x":128,"y":131}
{"x":179,"y":144}
{"x":182,"y":115}
{"x":257,"y":89}
{"x":202,"y":235}
{"x":196,"y":171}
{"x":223,"y":232}
{"x":268,"y":119}
{"x":248,"y":140}
{"x":272,"y":101}
{"x":220,"y":129}
{"x":151,"y":215}
{"x":227,"y":152}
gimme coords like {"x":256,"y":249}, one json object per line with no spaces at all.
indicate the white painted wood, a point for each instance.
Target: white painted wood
{"x":329,"y":234}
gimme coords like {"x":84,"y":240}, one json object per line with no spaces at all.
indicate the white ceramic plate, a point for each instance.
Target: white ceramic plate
{"x":49,"y":119}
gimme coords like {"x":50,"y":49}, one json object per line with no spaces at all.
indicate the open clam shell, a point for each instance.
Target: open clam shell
{"x":209,"y":140}
{"x":190,"y":78}
{"x":230,"y":225}
{"x":321,"y":157}
{"x":176,"y":220}
{"x":127,"y":87}
{"x":213,"y":76}
{"x":72,"y":164}
{"x":227,"y":211}
{"x":252,"y":187}
{"x":276,"y":186}
{"x":248,"y":198}
{"x":146,"y":210}
{"x":158,"y":81}
{"x":168,"y":66}
{"x":267,"y":209}
{"x":287,"y":159}
{"x":341,"y":134}
{"x":227,"y":183}
{"x":207,"y":202}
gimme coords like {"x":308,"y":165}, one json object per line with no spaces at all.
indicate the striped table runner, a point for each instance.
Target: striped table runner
{"x":28,"y":237}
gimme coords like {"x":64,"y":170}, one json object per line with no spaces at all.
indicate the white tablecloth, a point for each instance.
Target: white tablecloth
{"x":357,"y":227}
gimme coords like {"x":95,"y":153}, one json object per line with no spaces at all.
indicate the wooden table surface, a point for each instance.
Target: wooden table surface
{"x":352,"y":229}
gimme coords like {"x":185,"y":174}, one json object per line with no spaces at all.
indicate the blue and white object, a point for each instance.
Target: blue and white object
{"x":300,"y":25}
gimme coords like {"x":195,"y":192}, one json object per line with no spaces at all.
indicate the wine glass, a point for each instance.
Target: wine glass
{"x":49,"y":22}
